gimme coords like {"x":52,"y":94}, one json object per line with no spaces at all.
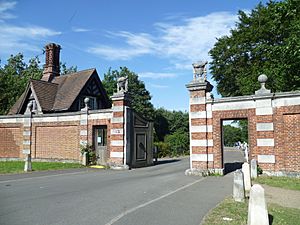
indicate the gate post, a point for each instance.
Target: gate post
{"x":200,"y":123}
{"x":120,"y":102}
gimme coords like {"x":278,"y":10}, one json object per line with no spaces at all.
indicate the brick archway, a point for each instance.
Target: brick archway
{"x":273,"y":126}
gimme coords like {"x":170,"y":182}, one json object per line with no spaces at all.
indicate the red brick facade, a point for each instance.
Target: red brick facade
{"x":11,"y":140}
{"x":50,"y":139}
{"x":273,"y":128}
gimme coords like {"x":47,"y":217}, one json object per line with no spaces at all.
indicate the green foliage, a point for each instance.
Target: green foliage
{"x":171,"y":132}
{"x":263,"y":41}
{"x":14,"y":77}
{"x":164,"y":149}
{"x":91,"y":153}
{"x":243,"y":125}
{"x":65,"y":70}
{"x":140,"y":98}
{"x":178,"y":142}
{"x":167,"y":122}
{"x":233,"y":134}
{"x":259,"y":170}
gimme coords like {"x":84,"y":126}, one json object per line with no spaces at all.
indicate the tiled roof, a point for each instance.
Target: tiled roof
{"x":57,"y":95}
{"x":69,"y":87}
{"x":45,"y":93}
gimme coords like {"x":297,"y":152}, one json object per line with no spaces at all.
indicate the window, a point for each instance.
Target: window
{"x":101,"y":136}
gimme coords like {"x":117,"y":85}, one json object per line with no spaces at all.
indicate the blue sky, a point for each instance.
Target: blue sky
{"x":157,"y":39}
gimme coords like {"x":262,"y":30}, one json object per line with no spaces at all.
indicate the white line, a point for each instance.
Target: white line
{"x":30,"y":178}
{"x":115,"y":219}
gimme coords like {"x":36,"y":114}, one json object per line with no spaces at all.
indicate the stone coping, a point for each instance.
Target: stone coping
{"x":58,"y":114}
{"x":255,"y":97}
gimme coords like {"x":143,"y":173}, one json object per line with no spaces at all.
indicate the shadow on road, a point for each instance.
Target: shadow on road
{"x":232,"y":166}
{"x":165,"y":161}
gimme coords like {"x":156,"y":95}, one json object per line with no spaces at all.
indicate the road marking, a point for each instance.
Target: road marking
{"x":117,"y":218}
{"x":30,"y":178}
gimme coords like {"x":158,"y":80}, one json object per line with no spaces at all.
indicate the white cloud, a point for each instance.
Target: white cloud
{"x":182,"y":43}
{"x":157,"y":75}
{"x":80,"y":29}
{"x":136,"y":45}
{"x":5,"y":6}
{"x":159,"y":86}
{"x":15,"y":37}
{"x":26,"y":32}
{"x":18,"y":38}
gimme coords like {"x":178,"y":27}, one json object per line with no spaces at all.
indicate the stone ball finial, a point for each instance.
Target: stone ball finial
{"x":30,"y":104}
{"x":262,"y":78}
{"x":86,"y":100}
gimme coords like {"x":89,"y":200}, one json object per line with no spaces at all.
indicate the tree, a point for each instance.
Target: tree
{"x":243,"y":125}
{"x":171,"y":132}
{"x":14,"y":77}
{"x":263,"y":41}
{"x":168,"y":122}
{"x":231,"y":135}
{"x":235,"y":133}
{"x":161,"y":124}
{"x":139,"y":96}
{"x":178,"y":142}
{"x":65,"y":70}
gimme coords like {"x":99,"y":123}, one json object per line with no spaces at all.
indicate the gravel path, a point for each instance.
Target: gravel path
{"x":283,"y":197}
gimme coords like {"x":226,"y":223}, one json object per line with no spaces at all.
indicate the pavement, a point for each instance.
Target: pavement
{"x":233,"y":159}
{"x":159,"y":195}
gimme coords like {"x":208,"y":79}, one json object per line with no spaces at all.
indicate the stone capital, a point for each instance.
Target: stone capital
{"x":120,"y":96}
{"x":199,"y":85}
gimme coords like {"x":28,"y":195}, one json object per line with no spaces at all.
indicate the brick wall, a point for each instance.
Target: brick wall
{"x":51,"y":137}
{"x":63,"y":144}
{"x":287,"y":143}
{"x":273,"y":128}
{"x":10,"y":141}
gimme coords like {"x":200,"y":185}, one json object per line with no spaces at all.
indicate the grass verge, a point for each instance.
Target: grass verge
{"x":18,"y":166}
{"x":281,"y":182}
{"x":235,"y":213}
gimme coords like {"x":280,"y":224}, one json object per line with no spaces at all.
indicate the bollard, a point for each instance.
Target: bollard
{"x":238,"y":186}
{"x":253,"y":168}
{"x":27,"y":166}
{"x":85,"y":159}
{"x":257,"y":210}
{"x":247,"y":179}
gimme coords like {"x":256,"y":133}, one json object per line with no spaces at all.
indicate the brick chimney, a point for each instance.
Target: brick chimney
{"x":51,"y":67}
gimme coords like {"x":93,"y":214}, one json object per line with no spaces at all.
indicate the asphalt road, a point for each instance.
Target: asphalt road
{"x":159,"y":195}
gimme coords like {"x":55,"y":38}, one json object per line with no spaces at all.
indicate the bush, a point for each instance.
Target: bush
{"x":178,"y":142}
{"x":174,"y":145}
{"x":259,"y":170}
{"x":163,"y":149}
{"x":91,"y":154}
